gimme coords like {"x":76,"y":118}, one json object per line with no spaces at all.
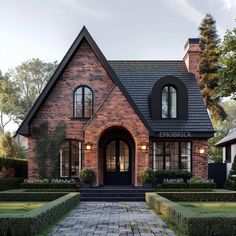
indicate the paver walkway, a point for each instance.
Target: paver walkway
{"x":113,"y":219}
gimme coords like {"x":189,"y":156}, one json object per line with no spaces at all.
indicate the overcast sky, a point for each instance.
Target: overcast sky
{"x":123,"y":29}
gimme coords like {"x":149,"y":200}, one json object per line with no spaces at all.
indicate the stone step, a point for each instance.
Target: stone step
{"x":112,"y":199}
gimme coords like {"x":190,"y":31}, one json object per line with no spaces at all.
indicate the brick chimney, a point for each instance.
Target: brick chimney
{"x":192,"y":56}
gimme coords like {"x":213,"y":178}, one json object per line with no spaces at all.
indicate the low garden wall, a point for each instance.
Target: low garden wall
{"x":192,"y":223}
{"x":36,"y":220}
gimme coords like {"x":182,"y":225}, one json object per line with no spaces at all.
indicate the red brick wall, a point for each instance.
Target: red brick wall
{"x":84,"y":69}
{"x":200,"y":161}
{"x":117,"y":112}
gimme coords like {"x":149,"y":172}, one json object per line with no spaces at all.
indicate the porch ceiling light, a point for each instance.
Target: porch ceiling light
{"x":143,"y":146}
{"x":88,"y":146}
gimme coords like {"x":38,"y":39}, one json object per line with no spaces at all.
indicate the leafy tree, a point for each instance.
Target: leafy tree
{"x":29,"y":79}
{"x":231,"y":180}
{"x":208,"y":67}
{"x":221,"y":128}
{"x":9,"y":109}
{"x":227,"y":72}
{"x":9,"y":148}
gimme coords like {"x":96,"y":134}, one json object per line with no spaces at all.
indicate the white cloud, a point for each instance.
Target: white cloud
{"x":186,"y":9}
{"x":228,"y":4}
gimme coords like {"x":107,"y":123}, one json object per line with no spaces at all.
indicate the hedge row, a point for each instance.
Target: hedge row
{"x":11,"y":183}
{"x":48,"y":185}
{"x":12,"y":163}
{"x":189,"y":185}
{"x":50,"y":190}
{"x":36,"y":220}
{"x":183,"y":190}
{"x":192,"y":223}
{"x":200,"y":196}
{"x":30,"y":196}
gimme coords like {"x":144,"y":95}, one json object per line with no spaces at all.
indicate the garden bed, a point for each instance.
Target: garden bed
{"x":192,"y":222}
{"x":38,"y":218}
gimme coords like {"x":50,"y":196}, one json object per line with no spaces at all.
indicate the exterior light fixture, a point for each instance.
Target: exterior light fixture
{"x":88,"y":146}
{"x":143,"y":146}
{"x":201,"y":151}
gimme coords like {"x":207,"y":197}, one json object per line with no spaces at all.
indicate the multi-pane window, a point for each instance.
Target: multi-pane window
{"x":172,"y":155}
{"x":169,"y":102}
{"x":83,"y":102}
{"x":70,"y":159}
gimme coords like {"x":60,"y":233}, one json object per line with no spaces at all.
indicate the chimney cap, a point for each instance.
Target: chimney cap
{"x":192,"y":41}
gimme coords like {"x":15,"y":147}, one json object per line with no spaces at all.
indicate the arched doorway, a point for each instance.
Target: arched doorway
{"x":116,"y":159}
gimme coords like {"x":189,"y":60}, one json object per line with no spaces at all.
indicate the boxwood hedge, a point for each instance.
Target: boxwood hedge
{"x":192,"y":223}
{"x":10,"y":183}
{"x":189,"y":185}
{"x":48,"y":185}
{"x":37,"y":219}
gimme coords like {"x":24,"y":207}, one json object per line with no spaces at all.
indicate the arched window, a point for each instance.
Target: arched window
{"x":169,"y":102}
{"x":70,"y":159}
{"x":83,"y":102}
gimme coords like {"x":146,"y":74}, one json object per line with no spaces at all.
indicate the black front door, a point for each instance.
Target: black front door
{"x":117,"y":169}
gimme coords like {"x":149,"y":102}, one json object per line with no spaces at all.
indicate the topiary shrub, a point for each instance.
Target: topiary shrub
{"x":147,"y":176}
{"x":231,"y":180}
{"x":87,"y":176}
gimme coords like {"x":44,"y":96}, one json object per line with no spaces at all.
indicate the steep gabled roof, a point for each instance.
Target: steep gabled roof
{"x":140,"y":76}
{"x":84,"y":34}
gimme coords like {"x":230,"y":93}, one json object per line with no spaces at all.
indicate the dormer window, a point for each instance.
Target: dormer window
{"x":83,"y":102}
{"x":169,"y":102}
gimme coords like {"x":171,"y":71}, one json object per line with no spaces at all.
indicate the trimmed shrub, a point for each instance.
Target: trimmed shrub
{"x":189,"y":222}
{"x":36,"y":220}
{"x":11,"y":183}
{"x":87,"y":176}
{"x":50,"y":190}
{"x":147,"y":176}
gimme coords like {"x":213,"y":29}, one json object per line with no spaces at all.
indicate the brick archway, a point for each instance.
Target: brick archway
{"x":122,"y":170}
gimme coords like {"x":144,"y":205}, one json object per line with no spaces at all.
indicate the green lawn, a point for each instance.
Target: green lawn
{"x":18,"y":207}
{"x":210,"y":207}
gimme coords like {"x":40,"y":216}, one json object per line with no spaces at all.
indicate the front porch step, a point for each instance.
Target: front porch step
{"x":113,"y":194}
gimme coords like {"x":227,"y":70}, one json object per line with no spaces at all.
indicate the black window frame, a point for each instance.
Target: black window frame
{"x":83,"y":102}
{"x":70,"y":159}
{"x":179,"y":154}
{"x":169,"y":86}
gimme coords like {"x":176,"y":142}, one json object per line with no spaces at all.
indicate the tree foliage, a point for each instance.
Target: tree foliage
{"x":227,"y":72}
{"x":9,"y":148}
{"x":9,"y":109}
{"x":208,"y":67}
{"x":28,"y":80}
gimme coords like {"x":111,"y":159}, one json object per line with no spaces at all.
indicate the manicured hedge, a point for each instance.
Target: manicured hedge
{"x":50,"y":190}
{"x":11,"y":183}
{"x":192,"y":223}
{"x":200,"y":196}
{"x":36,"y":220}
{"x":48,"y":185}
{"x":183,"y":190}
{"x":189,"y":185}
{"x":30,"y":196}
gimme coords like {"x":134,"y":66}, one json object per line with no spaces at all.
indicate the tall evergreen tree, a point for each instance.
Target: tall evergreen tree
{"x":208,"y":67}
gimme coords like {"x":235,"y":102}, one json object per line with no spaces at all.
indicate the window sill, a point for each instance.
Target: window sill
{"x":82,"y":118}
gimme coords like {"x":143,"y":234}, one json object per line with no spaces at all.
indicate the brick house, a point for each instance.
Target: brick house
{"x":123,"y":116}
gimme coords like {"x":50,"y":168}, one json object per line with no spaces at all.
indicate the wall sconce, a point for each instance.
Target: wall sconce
{"x":201,"y":151}
{"x":143,"y":146}
{"x":88,"y":146}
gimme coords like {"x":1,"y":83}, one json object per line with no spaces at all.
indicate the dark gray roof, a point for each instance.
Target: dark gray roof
{"x":229,"y":138}
{"x":138,"y":77}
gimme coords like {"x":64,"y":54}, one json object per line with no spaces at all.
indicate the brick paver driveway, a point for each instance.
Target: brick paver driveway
{"x":112,"y":218}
